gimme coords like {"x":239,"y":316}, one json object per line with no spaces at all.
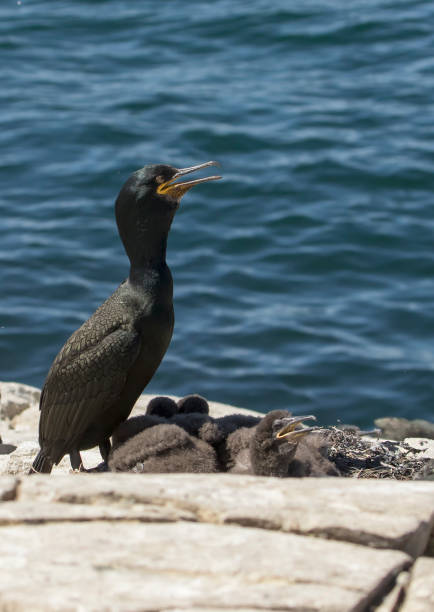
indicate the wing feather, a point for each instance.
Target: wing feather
{"x":86,"y":378}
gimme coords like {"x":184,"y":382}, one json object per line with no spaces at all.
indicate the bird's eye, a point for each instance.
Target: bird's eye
{"x":160,"y":179}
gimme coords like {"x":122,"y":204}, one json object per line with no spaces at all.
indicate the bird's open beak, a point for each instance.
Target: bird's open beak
{"x":177,"y":190}
{"x":288,"y":430}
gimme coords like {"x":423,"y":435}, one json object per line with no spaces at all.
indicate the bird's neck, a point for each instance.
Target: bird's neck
{"x":147,"y":257}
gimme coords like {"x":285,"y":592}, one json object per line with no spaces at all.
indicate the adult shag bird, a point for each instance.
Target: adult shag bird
{"x":102,"y":369}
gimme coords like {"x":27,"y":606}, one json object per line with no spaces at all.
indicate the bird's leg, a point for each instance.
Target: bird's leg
{"x":76,"y":462}
{"x":104,"y":449}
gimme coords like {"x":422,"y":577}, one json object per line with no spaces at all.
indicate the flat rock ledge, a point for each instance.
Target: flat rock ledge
{"x":207,"y":542}
{"x":214,"y":542}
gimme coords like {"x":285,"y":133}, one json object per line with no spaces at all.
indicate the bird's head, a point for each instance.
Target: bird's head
{"x":275,"y":442}
{"x":287,"y":429}
{"x":148,"y":200}
{"x":159,"y":187}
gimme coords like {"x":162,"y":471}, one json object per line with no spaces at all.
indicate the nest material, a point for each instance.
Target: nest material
{"x":358,"y":457}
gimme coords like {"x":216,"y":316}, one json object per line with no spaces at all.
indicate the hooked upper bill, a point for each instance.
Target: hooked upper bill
{"x":288,"y":427}
{"x":176,"y":190}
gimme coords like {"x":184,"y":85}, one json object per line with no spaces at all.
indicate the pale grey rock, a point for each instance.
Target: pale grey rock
{"x":420,"y":593}
{"x":21,"y":459}
{"x":380,"y":514}
{"x":19,"y":417}
{"x":393,"y":599}
{"x":190,"y":542}
{"x":423,"y":446}
{"x":207,"y":609}
{"x":395,"y":428}
{"x":140,"y":566}
{"x":4,"y":460}
{"x":27,"y":421}
{"x":8,"y":488}
{"x":11,"y":435}
{"x":27,"y":513}
{"x":16,"y":397}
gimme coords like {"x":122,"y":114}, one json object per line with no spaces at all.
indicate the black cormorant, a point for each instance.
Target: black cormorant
{"x":102,"y":369}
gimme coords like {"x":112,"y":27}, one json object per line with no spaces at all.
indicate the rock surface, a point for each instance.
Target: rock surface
{"x":209,"y":541}
{"x":132,"y":566}
{"x":423,"y":446}
{"x":15,"y":398}
{"x":206,"y":542}
{"x":379,"y":514}
{"x":397,"y":428}
{"x":394,"y":598}
{"x":420,"y":593}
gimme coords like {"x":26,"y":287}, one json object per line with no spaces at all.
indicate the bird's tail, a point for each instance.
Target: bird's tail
{"x":41,"y":465}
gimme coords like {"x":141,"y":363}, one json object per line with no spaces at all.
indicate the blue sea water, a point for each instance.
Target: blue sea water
{"x":304,"y":279}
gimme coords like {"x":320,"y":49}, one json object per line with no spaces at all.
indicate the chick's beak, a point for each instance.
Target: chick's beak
{"x":177,"y":189}
{"x":288,"y":427}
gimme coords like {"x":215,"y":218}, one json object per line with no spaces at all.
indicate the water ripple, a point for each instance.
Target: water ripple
{"x":304,"y":279}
